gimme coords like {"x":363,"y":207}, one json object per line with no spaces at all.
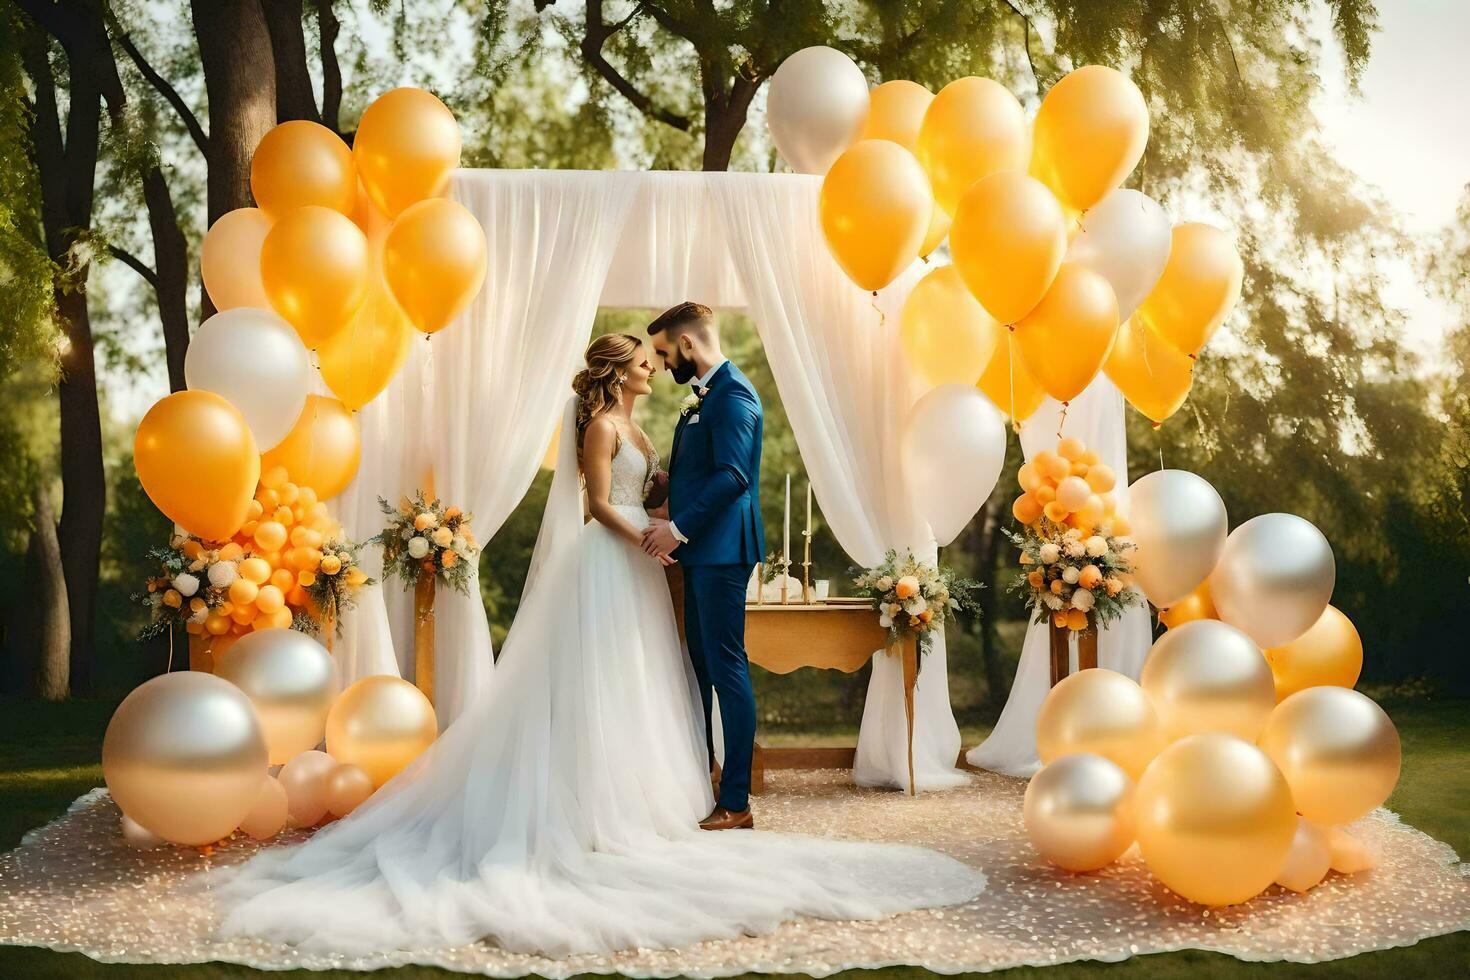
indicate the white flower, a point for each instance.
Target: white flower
{"x":1072,"y":534}
{"x":185,"y":584}
{"x":1070,"y":575}
{"x":223,"y":573}
{"x":199,"y":616}
{"x":1097,"y":545}
{"x":915,"y":605}
{"x":417,"y":547}
{"x":1075,"y":549}
{"x":443,"y":537}
{"x":1082,"y":599}
{"x":885,"y":583}
{"x":689,"y":404}
{"x":891,"y":608}
{"x":406,"y":532}
{"x":427,"y":519}
{"x":885,"y":621}
{"x":1050,"y":553}
{"x":458,"y":543}
{"x":1053,"y":602}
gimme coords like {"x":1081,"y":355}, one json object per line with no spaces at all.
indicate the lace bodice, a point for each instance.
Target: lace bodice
{"x":631,"y":471}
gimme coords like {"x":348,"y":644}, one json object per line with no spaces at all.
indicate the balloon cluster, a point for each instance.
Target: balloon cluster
{"x":1242,"y":750}
{"x":186,"y":754}
{"x":347,"y":251}
{"x":1044,"y":242}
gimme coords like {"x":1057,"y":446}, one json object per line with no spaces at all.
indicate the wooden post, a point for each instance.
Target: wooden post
{"x":1060,"y":652}
{"x":1087,"y":644}
{"x":910,"y":653}
{"x":423,"y":633}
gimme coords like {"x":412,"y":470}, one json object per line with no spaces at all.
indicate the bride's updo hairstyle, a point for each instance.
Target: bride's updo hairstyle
{"x":599,"y":385}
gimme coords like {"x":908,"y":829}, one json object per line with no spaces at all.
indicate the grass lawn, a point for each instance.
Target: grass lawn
{"x":49,"y":755}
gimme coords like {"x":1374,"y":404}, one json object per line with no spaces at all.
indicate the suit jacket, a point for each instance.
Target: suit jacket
{"x":714,"y":475}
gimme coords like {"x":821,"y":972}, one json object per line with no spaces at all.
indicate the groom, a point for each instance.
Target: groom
{"x":714,"y":531}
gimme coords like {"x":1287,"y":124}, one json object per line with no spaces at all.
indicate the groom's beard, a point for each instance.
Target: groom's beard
{"x":683,"y":372}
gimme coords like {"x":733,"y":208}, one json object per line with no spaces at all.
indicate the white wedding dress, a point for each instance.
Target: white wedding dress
{"x":560,"y":813}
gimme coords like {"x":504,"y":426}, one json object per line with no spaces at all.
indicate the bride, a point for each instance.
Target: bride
{"x":560,"y":813}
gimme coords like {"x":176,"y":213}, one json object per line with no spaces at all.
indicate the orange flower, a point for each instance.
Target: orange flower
{"x":172,"y":598}
{"x":1089,"y":576}
{"x":452,"y":513}
{"x":446,"y":558}
{"x":907,"y":587}
{"x":420,"y":522}
{"x":925,"y":616}
{"x":1057,"y":585}
{"x":1076,"y":619}
{"x":331,"y":565}
{"x":1059,"y":620}
{"x":1113,"y":585}
{"x":1035,"y":579}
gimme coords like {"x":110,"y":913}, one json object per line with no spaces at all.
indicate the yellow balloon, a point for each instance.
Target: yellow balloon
{"x":875,"y":209}
{"x":1089,"y":134}
{"x":1338,"y":750}
{"x":1066,"y":339}
{"x":948,"y":337}
{"x":316,"y":269}
{"x":1008,"y":239}
{"x":1079,"y":812}
{"x":322,"y":450}
{"x":1215,"y":819}
{"x":939,"y":222}
{"x":972,"y":129}
{"x":1008,"y":384}
{"x":198,"y":463}
{"x":406,"y":146}
{"x":358,"y":362}
{"x":1330,"y":653}
{"x":291,"y":679}
{"x":1102,"y":712}
{"x":302,"y":163}
{"x":896,"y":111}
{"x":348,"y":787}
{"x":184,"y":756}
{"x":1200,"y":286}
{"x":229,"y":259}
{"x":380,"y":724}
{"x":434,"y":261}
{"x":1196,"y":605}
{"x":1208,"y":676}
{"x":1153,"y":376}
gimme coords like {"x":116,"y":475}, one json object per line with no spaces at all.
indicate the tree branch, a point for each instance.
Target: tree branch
{"x":328,"y":27}
{"x":161,"y":85}
{"x":1026,"y":27}
{"x":596,"y":33}
{"x":136,"y":264}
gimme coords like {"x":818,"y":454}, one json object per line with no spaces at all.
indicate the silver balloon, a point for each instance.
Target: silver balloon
{"x":291,"y":679}
{"x":1274,"y":578}
{"x":257,"y":362}
{"x":1079,"y":812}
{"x":816,"y":106}
{"x":1179,"y":527}
{"x":139,"y":837}
{"x":1207,"y":676}
{"x":954,"y":447}
{"x":1125,"y":238}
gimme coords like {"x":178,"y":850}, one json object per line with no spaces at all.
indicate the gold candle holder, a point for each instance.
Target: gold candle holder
{"x":806,"y":568}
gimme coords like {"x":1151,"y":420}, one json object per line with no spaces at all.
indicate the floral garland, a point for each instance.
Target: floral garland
{"x":913,"y":598}
{"x":333,"y":586}
{"x":425,"y":536}
{"x":186,"y":588}
{"x":1075,"y":580}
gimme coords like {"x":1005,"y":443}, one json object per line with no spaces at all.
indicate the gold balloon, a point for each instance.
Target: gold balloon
{"x":358,"y":362}
{"x":302,"y":163}
{"x":434,"y":261}
{"x":1308,"y":860}
{"x":948,"y":337}
{"x":291,"y":679}
{"x":406,"y":146}
{"x":229,"y":259}
{"x":972,"y":129}
{"x":380,"y":724}
{"x":939,"y":222}
{"x":1338,"y":750}
{"x":1153,"y":376}
{"x":1196,"y":605}
{"x":1208,"y":676}
{"x":316,"y":269}
{"x":1008,"y":384}
{"x":139,"y":837}
{"x":1008,"y":239}
{"x":1066,"y":339}
{"x":1088,"y":135}
{"x":1079,"y":812}
{"x":304,"y":779}
{"x":1348,"y":854}
{"x":1215,"y":819}
{"x":267,"y":816}
{"x":198,"y":462}
{"x":184,"y":755}
{"x":875,"y":208}
{"x":1102,"y":712}
{"x":322,"y":450}
{"x":896,"y":113}
{"x":1328,"y":654}
{"x":348,"y":787}
{"x":1199,"y":287}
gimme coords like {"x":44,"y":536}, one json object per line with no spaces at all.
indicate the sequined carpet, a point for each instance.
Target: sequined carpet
{"x":74,"y":885}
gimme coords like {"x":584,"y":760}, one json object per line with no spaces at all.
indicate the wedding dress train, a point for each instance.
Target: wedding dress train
{"x":560,"y":813}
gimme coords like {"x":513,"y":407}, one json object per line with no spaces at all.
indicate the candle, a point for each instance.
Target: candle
{"x":786,"y":532}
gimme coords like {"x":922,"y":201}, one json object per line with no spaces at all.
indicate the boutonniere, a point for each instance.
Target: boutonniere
{"x":691,"y":403}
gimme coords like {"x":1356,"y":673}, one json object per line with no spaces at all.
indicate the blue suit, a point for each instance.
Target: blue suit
{"x":714,"y":501}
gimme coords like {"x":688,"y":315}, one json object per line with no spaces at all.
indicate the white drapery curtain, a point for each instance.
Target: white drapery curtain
{"x":1095,"y":417}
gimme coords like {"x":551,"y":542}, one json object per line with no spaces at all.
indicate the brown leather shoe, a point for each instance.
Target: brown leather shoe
{"x":722,"y":819}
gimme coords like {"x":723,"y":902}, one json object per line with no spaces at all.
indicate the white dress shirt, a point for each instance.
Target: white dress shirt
{"x":700,"y":382}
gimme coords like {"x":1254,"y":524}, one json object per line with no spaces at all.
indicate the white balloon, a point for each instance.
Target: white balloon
{"x":816,"y":107}
{"x":1274,"y":578}
{"x":1179,"y":527}
{"x":1125,"y":238}
{"x":954,"y":446}
{"x":256,"y":361}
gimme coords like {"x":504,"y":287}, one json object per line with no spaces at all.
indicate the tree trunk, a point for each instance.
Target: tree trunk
{"x":294,"y":96}
{"x":171,"y":267}
{"x":48,"y":645}
{"x":725,"y":113}
{"x":239,"y":80}
{"x":986,"y":543}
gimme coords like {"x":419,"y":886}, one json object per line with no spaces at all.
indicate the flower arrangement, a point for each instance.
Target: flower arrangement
{"x":191,"y":582}
{"x":333,"y":587}
{"x":1074,"y":546}
{"x":913,"y":598}
{"x":425,"y":536}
